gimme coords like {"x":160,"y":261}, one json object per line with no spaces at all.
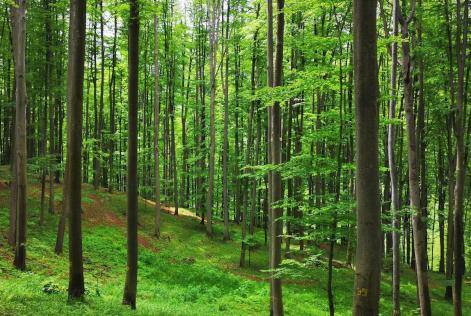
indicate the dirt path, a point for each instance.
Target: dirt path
{"x":97,"y":213}
{"x":171,"y":210}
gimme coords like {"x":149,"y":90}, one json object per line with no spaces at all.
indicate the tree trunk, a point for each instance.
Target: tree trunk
{"x":419,"y":218}
{"x":62,"y":221}
{"x":451,"y":164}
{"x":213,"y":37}
{"x":129,"y":297}
{"x":275,"y":128}
{"x":112,"y":108}
{"x":13,"y":192}
{"x":368,"y":253}
{"x":461,"y":45}
{"x":395,"y":207}
{"x":77,"y":33}
{"x":156,"y":128}
{"x":441,"y":204}
{"x":19,"y":47}
{"x":225,"y":154}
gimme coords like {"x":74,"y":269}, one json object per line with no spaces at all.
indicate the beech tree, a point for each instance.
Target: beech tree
{"x":18,"y":18}
{"x":130,"y":287}
{"x":395,"y":207}
{"x":73,"y":184}
{"x":461,"y":45}
{"x":156,"y":128}
{"x":274,"y":118}
{"x":368,"y":253}
{"x":419,"y":211}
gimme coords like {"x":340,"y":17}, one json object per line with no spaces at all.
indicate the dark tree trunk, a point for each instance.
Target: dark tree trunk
{"x":451,"y":164}
{"x":419,"y":226}
{"x":130,"y":288}
{"x":368,"y":253}
{"x":74,"y":145}
{"x":18,"y":13}
{"x":275,"y":128}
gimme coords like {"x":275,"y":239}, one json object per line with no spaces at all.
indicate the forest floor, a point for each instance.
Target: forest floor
{"x":182,"y":273}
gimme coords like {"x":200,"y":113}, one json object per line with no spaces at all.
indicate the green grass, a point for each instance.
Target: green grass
{"x":183,"y":273}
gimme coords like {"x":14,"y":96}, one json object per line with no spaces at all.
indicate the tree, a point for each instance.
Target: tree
{"x":225,"y":157}
{"x":419,"y":226}
{"x":274,"y":118}
{"x":460,"y":126}
{"x":73,"y":188}
{"x":156,"y":127}
{"x":130,"y":287}
{"x":213,"y":12}
{"x":393,"y":171}
{"x":19,"y":45}
{"x":368,"y":253}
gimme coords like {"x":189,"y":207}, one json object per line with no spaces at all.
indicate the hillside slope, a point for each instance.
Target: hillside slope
{"x":183,"y":273}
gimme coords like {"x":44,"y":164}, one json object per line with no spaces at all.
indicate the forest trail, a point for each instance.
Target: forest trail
{"x":171,"y":210}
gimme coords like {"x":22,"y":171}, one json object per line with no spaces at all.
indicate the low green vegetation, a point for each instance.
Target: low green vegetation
{"x":182,"y":273}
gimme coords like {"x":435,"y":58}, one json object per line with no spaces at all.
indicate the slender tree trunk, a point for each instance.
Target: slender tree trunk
{"x":459,"y":126}
{"x":451,"y":164}
{"x":130,"y":288}
{"x":18,"y":13}
{"x":368,"y":253}
{"x":213,"y":37}
{"x":112,"y":108}
{"x":395,"y":208}
{"x":10,"y":153}
{"x":441,"y":204}
{"x":63,"y":219}
{"x":77,"y":33}
{"x":419,"y":226}
{"x":275,"y":211}
{"x":96,"y":179}
{"x":156,"y":128}
{"x":225,"y":154}
{"x":14,"y":192}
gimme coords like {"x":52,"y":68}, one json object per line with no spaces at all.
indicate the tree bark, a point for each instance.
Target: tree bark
{"x":130,"y":288}
{"x":156,"y":128}
{"x":213,"y":37}
{"x":395,"y":207}
{"x":275,"y":127}
{"x":368,"y":253}
{"x":451,"y":164}
{"x":419,"y":223}
{"x":461,"y":45}
{"x":63,"y":219}
{"x":77,"y":33}
{"x":19,"y":46}
{"x":225,"y":157}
